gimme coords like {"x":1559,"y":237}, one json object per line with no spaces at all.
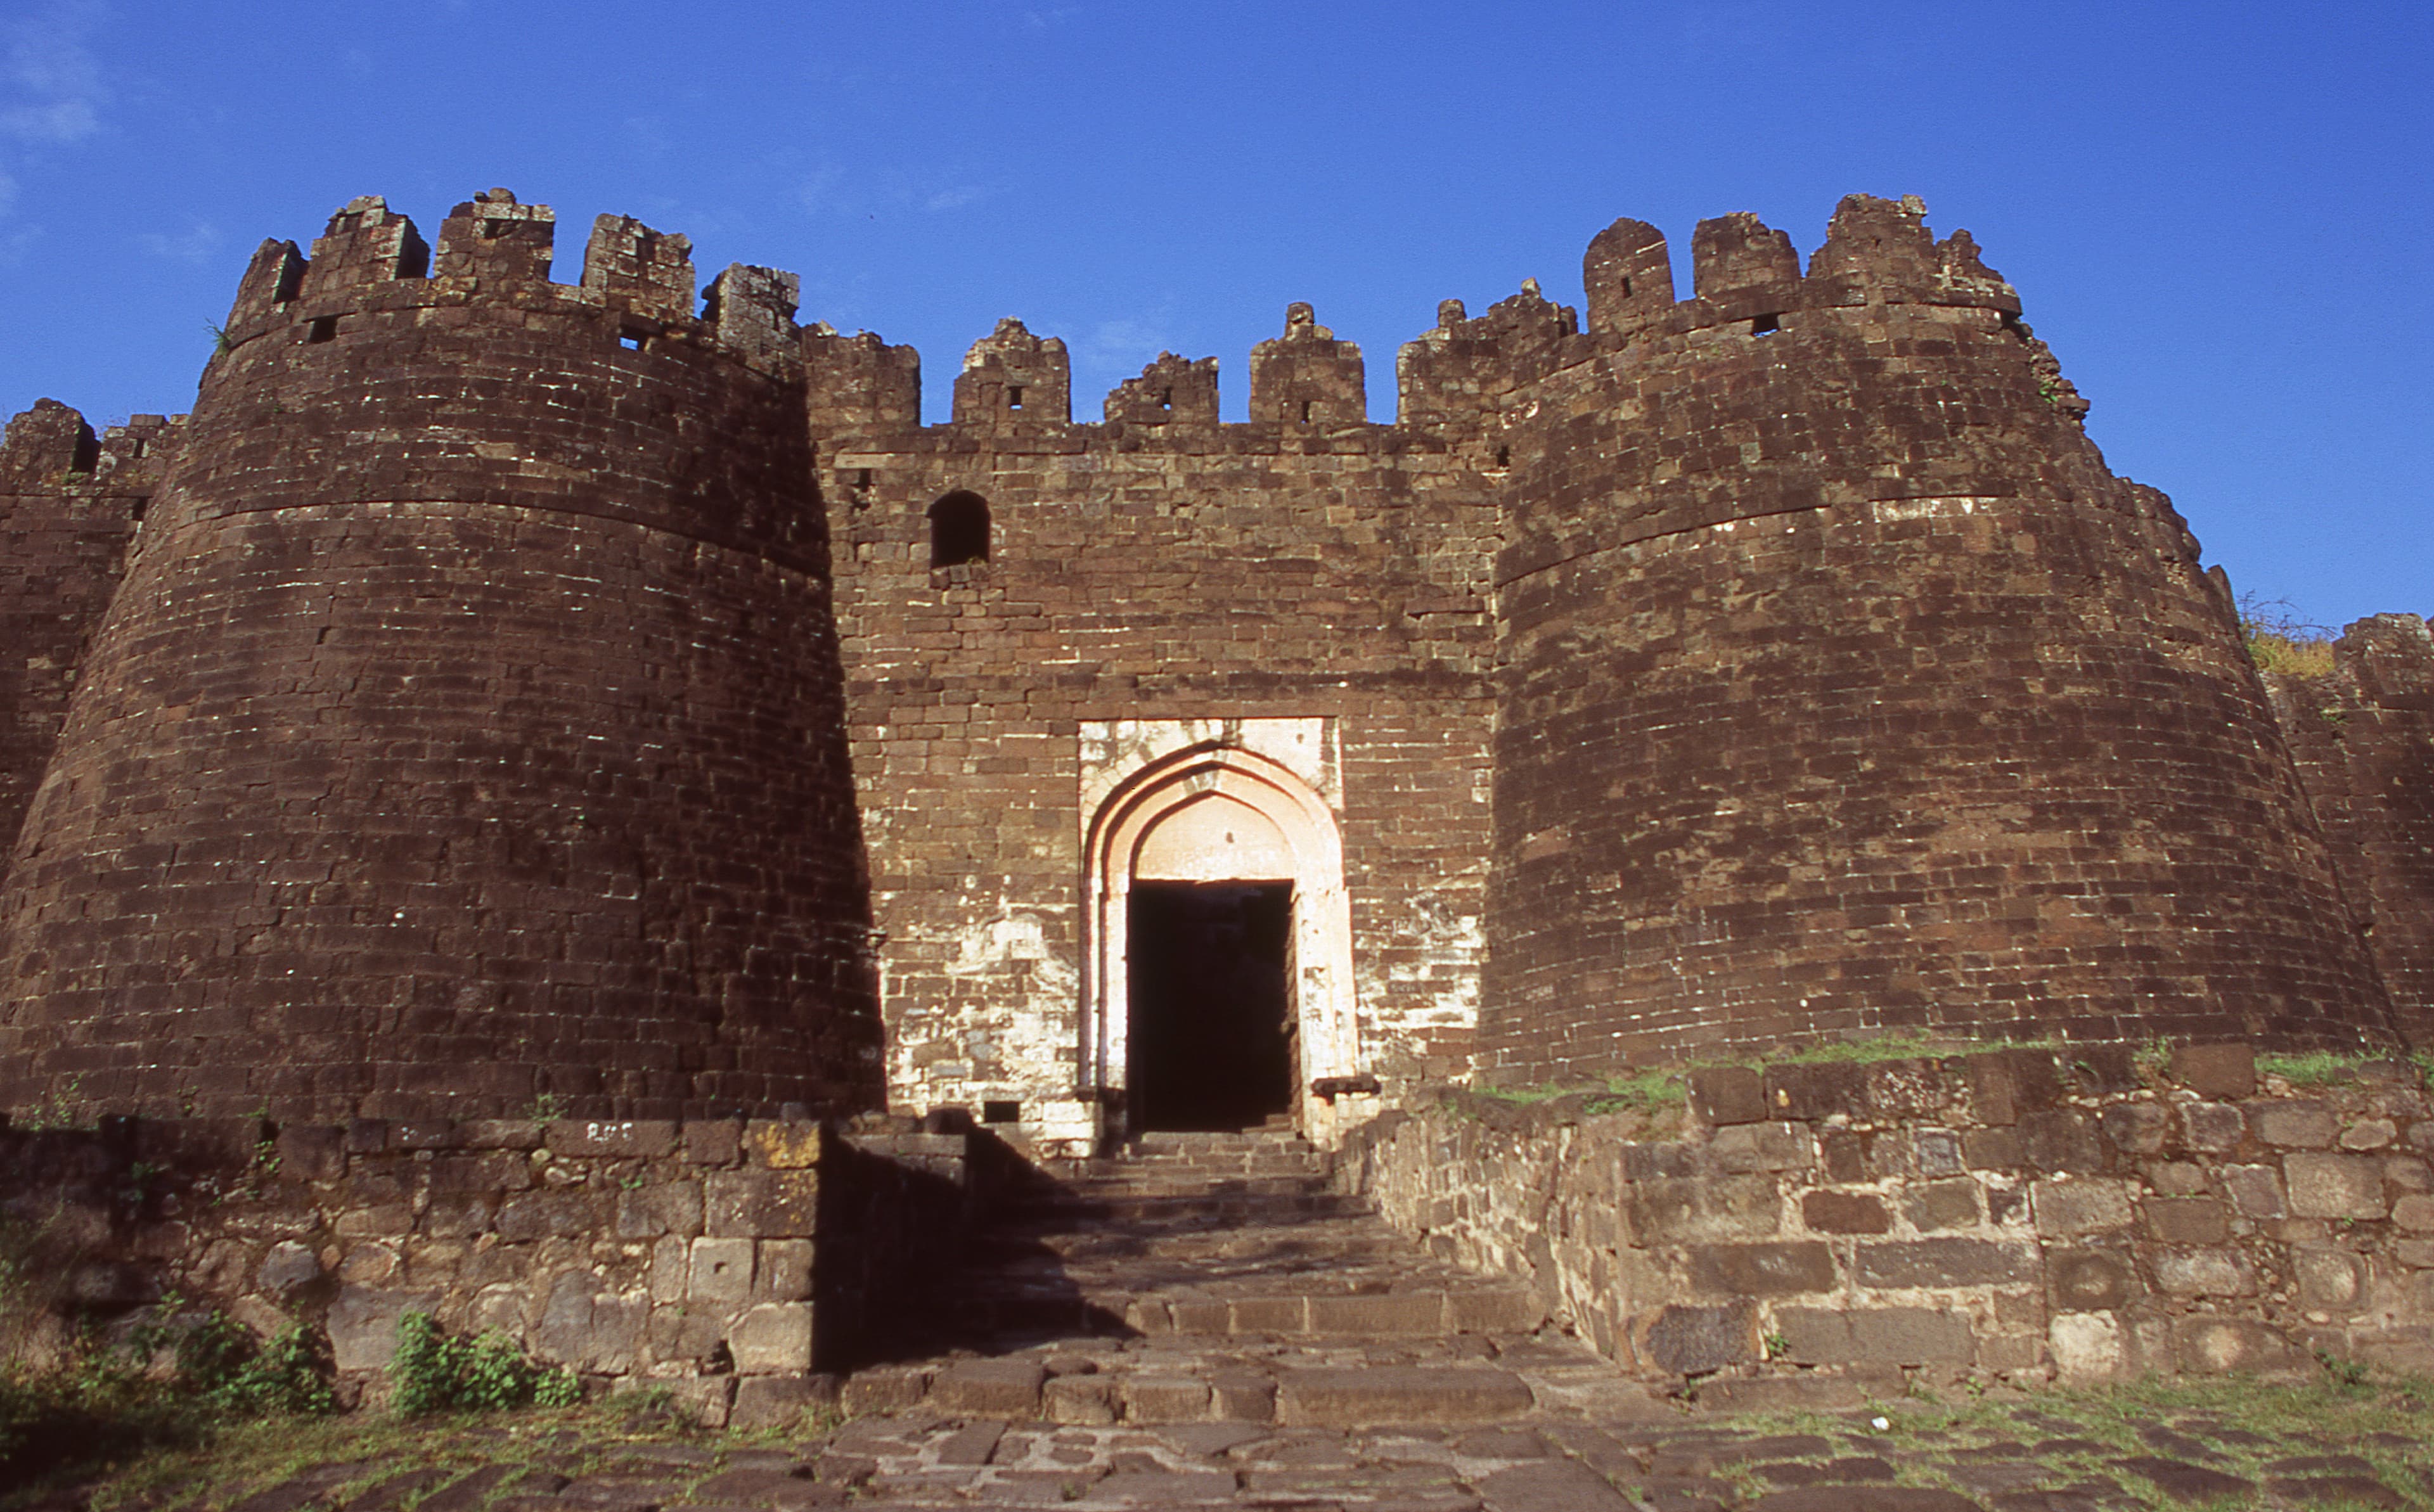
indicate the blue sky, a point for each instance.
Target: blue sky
{"x":2218,"y":214}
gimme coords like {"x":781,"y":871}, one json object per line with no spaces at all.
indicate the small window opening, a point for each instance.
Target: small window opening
{"x":1014,"y":396}
{"x":1765,"y":325}
{"x":140,"y":448}
{"x":291,"y":280}
{"x":322,"y":328}
{"x":136,"y":509}
{"x":2011,"y":324}
{"x":862,"y":478}
{"x":959,"y":529}
{"x":1305,"y":412}
{"x":1504,"y":456}
{"x":995,"y":1110}
{"x":492,"y":230}
{"x":1166,"y":400}
{"x":631,"y":340}
{"x":1626,"y":285}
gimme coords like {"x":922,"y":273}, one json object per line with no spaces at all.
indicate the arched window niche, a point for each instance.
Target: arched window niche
{"x":959,"y":529}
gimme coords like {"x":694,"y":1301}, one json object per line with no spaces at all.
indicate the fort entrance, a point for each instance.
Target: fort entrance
{"x":1220,"y":960}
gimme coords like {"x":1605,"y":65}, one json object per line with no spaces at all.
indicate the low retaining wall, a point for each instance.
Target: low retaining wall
{"x":699,"y":1256}
{"x":2017,"y":1213}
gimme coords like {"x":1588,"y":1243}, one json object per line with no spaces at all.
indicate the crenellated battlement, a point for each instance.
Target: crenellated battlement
{"x":371,"y":269}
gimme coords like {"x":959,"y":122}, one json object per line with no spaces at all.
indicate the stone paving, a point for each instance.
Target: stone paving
{"x":1270,"y":1346}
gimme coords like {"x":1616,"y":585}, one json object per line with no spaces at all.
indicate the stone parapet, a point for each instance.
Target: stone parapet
{"x":691,"y":1254}
{"x":2020,"y":1215}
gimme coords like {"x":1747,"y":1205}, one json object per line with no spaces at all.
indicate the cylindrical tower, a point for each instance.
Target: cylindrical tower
{"x":1844,"y":689}
{"x":466,"y":734}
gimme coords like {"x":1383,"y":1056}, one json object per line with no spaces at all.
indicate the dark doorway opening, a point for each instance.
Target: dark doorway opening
{"x":1212,"y":1014}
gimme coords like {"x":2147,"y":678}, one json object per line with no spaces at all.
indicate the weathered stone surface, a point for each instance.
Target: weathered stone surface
{"x":1727,"y":1094}
{"x":2069,"y":1209}
{"x":1894,"y":1336}
{"x":2334,"y":1186}
{"x":1763,"y":1146}
{"x":2298,"y":1125}
{"x":1398,"y":1394}
{"x":2205,"y":1272}
{"x":2221,"y":1072}
{"x":1695,"y":1340}
{"x":772,"y":1338}
{"x":763,"y":1204}
{"x":2214,"y":1346}
{"x":1552,"y":1485}
{"x":1945,"y":1262}
{"x":362,"y":1325}
{"x":992,"y":1388}
{"x":1762,"y":1269}
{"x":1933,"y":1205}
{"x":2199,"y":1220}
{"x":2087,"y":1281}
{"x":1844,"y":1213}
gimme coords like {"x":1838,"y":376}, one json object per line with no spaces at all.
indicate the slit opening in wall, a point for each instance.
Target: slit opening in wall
{"x":320,"y":328}
{"x":1765,"y":325}
{"x":1014,"y":396}
{"x":1001,"y":1111}
{"x":1305,"y":412}
{"x":633,"y":340}
{"x":1503,"y":457}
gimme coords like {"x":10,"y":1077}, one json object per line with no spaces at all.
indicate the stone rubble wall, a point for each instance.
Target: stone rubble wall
{"x":2019,"y":1214}
{"x":717,"y":1258}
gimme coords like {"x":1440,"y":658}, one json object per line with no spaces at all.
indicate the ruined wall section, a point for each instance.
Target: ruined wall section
{"x":72,"y":505}
{"x":468,"y":732}
{"x":2363,"y":739}
{"x":1159,"y":566}
{"x":1844,"y":689}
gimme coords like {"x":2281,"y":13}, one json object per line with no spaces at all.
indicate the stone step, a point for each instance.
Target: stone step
{"x":1172,"y":1211}
{"x":1026,"y":1389}
{"x":1016,"y":1303}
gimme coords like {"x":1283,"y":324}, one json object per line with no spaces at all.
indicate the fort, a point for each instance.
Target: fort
{"x":504,"y":700}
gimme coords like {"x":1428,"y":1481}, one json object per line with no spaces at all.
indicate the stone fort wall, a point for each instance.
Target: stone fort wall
{"x":1844,"y":689}
{"x":466,"y":734}
{"x":572,"y":695}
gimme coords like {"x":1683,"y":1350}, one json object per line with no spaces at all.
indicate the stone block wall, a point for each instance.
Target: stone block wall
{"x":2015,"y":1213}
{"x":2363,"y":739}
{"x":1160,"y":569}
{"x":713,"y":1257}
{"x":71,"y":505}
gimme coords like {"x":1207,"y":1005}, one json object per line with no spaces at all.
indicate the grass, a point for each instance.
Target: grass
{"x":1660,"y":1087}
{"x":2280,"y":641}
{"x":2338,"y":1413}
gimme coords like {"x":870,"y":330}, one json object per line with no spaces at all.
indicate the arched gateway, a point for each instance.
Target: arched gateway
{"x":1218,"y":961}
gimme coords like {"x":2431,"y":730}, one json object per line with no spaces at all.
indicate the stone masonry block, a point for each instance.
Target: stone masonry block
{"x":1814,"y":1093}
{"x":990,"y":1389}
{"x":2255,"y":1189}
{"x":2203,"y":1273}
{"x":782,"y":1145}
{"x":772,"y":1338}
{"x":2088,"y":1280}
{"x":714,"y":1141}
{"x":2135,"y":1127}
{"x":1727,"y":1094}
{"x":782,"y":1270}
{"x":720,"y":1273}
{"x":643,"y":1138}
{"x":661,"y":1207}
{"x":2199,"y":1220}
{"x":1746,"y":1147}
{"x":2329,"y":1279}
{"x":1381,"y":1315}
{"x":1953,"y":1262}
{"x":1079,"y":1398}
{"x":1844,"y":1213}
{"x":1933,"y":1205}
{"x":2226,"y":1072}
{"x":2306,"y":1124}
{"x":2414,"y":1212}
{"x":2217,"y":1346}
{"x":1992,"y":1150}
{"x":1689,"y":1209}
{"x":1497,"y":1310}
{"x":2212,"y":1128}
{"x":750,"y":1204}
{"x":1696,"y":1340}
{"x":2060,"y":1139}
{"x":1762,"y":1269}
{"x":1159,"y":1398}
{"x":1911,"y":1336}
{"x":2067,"y":1209}
{"x":2334,"y":1186}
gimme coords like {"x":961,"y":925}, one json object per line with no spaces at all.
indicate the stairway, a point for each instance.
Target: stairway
{"x":1221,"y":1277}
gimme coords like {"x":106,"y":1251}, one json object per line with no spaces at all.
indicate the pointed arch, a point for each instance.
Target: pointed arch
{"x":1180,"y":792}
